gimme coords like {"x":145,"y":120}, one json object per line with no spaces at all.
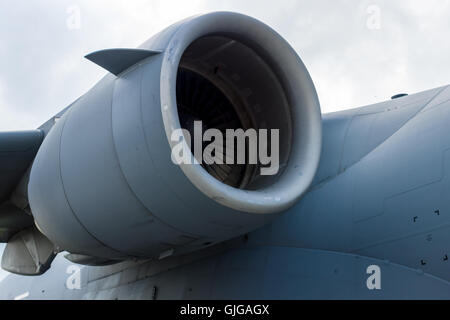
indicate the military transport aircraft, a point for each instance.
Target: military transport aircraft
{"x":94,"y":207}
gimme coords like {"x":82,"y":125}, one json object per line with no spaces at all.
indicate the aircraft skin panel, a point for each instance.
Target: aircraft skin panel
{"x":119,"y":60}
{"x":392,"y":204}
{"x":398,"y":216}
{"x":17,"y":150}
{"x":269,"y":272}
{"x":350,"y":135}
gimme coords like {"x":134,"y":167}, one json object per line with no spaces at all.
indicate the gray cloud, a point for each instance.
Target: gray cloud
{"x":43,"y":69}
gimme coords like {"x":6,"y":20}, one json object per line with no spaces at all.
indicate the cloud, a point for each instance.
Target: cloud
{"x":43,"y":70}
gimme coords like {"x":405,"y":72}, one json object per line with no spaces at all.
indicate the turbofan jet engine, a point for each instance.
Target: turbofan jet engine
{"x":104,"y":184}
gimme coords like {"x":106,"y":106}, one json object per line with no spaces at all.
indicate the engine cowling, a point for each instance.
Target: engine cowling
{"x":103,"y":182}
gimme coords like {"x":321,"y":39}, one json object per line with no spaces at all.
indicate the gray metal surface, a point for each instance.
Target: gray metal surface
{"x":117,"y":61}
{"x":28,"y":253}
{"x":17,"y":150}
{"x":12,"y":220}
{"x":266,"y":272}
{"x":115,"y":176}
{"x":322,"y":247}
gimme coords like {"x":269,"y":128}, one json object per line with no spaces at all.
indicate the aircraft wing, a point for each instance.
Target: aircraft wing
{"x":17,"y":151}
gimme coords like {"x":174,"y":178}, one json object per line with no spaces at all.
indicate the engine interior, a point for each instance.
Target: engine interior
{"x":228,"y":85}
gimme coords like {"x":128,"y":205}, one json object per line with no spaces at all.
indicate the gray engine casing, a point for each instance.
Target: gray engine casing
{"x":103,"y":183}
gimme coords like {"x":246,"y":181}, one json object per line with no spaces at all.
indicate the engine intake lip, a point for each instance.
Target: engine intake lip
{"x":305,"y":145}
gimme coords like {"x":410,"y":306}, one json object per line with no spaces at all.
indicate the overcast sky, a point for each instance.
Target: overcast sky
{"x":358,"y":52}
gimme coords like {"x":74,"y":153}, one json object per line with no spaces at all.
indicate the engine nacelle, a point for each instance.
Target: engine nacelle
{"x":104,"y":184}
